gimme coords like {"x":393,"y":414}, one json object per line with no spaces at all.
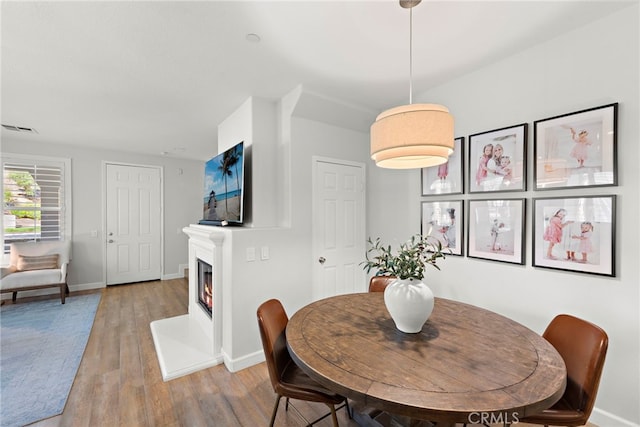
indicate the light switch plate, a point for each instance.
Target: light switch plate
{"x":251,"y":254}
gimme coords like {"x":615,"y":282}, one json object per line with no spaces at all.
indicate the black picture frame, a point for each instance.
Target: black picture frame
{"x":577,"y":150}
{"x":490,"y":172}
{"x":447,"y":178}
{"x":444,"y":220}
{"x":575,"y":234}
{"x":496,"y":230}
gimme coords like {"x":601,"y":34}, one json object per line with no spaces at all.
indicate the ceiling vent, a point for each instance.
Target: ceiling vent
{"x":19,"y":129}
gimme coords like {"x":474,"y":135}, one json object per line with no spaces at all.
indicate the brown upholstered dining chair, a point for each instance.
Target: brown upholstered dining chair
{"x":287,"y":378}
{"x":583,"y":346}
{"x":380,"y":283}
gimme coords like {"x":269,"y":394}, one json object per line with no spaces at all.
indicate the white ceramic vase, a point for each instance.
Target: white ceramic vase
{"x":410,"y":303}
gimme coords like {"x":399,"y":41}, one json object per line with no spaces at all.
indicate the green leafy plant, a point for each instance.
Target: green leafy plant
{"x":408,"y":262}
{"x":25,"y":181}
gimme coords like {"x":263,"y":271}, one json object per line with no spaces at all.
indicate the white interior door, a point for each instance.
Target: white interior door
{"x":133,"y":224}
{"x":338,"y":227}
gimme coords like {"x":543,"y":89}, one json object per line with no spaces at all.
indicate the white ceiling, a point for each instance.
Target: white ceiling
{"x":155,"y":76}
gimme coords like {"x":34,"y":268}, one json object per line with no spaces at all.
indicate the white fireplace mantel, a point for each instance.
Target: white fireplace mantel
{"x":192,"y":342}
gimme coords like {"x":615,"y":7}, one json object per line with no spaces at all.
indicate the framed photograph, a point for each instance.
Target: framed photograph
{"x":446,"y":178}
{"x":576,"y":149}
{"x":497,"y":160}
{"x":496,"y":230}
{"x":575,"y":234}
{"x":444,"y":220}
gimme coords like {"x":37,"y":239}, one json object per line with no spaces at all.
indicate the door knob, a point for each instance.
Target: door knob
{"x":321,"y":260}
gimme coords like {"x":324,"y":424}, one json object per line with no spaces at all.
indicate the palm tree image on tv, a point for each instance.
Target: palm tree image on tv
{"x":223,"y":186}
{"x":229,"y":158}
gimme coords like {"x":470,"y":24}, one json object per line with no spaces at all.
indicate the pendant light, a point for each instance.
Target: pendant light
{"x":414,"y":135}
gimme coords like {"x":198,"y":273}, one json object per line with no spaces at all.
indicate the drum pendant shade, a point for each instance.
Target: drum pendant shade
{"x":412,"y":136}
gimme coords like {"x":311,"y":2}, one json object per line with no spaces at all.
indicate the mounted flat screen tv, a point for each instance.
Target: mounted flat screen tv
{"x":223,"y":200}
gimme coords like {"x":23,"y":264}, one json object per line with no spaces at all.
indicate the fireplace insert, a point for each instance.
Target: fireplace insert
{"x":205,"y":286}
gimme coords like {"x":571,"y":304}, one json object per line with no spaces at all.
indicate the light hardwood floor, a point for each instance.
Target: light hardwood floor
{"x":119,"y":381}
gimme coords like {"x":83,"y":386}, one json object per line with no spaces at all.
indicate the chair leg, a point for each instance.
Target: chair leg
{"x":63,"y":292}
{"x":333,"y":413}
{"x":334,"y":417}
{"x":14,"y":296}
{"x":275,"y":410}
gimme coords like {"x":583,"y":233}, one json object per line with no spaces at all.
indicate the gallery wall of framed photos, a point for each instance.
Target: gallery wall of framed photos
{"x":480,"y":210}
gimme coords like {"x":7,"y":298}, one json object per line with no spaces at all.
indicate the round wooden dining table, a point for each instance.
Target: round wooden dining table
{"x":465,"y":364}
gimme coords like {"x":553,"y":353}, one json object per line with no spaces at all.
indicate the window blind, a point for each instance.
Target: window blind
{"x":33,"y":205}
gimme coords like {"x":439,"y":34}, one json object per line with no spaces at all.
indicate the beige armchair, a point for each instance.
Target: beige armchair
{"x":37,"y":265}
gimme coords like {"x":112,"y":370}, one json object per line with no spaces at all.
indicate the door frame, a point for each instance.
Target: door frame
{"x":160,"y":169}
{"x":314,"y":208}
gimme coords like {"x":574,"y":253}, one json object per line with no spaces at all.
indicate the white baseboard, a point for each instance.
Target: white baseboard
{"x":179,"y":275}
{"x":606,"y":419}
{"x":171,"y":276}
{"x":235,"y":365}
{"x":182,"y":269}
{"x":87,"y":286}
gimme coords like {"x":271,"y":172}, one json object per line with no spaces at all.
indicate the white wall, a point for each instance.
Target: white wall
{"x":182,"y":193}
{"x":255,"y":123}
{"x":286,"y":275}
{"x":246,"y":284}
{"x":594,"y":65}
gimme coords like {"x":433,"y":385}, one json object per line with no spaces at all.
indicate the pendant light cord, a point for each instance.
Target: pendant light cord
{"x":411,"y":55}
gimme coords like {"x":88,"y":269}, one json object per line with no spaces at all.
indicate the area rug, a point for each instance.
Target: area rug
{"x":41,"y":346}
